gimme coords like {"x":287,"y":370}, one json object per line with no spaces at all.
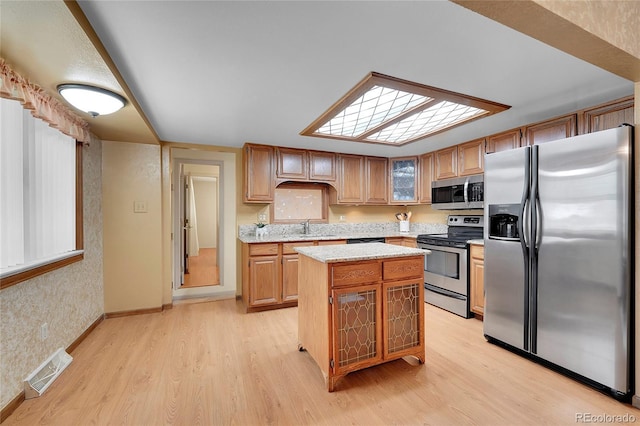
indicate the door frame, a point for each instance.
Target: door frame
{"x":226,"y":219}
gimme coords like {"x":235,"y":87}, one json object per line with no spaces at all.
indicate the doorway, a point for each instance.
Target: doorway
{"x":202,"y":208}
{"x":200,"y":225}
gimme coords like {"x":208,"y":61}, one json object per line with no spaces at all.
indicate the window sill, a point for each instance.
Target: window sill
{"x":13,"y":276}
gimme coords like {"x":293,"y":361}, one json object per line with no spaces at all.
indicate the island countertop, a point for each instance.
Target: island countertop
{"x":356,"y":252}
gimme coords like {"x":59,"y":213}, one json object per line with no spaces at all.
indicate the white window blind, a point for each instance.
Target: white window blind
{"x":37,"y":189}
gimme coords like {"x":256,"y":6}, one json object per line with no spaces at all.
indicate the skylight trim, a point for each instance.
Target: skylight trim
{"x":388,"y":110}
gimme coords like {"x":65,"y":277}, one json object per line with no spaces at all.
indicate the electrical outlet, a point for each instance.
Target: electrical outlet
{"x":44,"y":331}
{"x":262,"y":217}
{"x":343,"y":218}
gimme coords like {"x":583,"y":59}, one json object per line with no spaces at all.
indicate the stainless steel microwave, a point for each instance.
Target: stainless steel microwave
{"x":458,"y":193}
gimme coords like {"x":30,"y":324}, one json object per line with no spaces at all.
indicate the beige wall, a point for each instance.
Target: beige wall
{"x":357,"y":214}
{"x":132,"y":241}
{"x":69,"y":299}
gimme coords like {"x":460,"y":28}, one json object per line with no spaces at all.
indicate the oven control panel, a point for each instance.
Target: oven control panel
{"x":475,"y":221}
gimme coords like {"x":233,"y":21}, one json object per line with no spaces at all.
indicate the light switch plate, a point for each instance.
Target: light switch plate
{"x":139,"y":206}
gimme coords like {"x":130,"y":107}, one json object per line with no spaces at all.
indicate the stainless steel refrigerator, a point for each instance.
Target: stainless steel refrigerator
{"x":558,"y":255}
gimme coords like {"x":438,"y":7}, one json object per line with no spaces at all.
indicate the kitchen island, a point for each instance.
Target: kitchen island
{"x":360,"y":305}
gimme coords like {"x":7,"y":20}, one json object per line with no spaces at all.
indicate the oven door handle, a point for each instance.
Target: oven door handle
{"x":447,"y":249}
{"x":444,"y":292}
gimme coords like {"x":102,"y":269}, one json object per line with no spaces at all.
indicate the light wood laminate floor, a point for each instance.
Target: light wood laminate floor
{"x":209,"y":363}
{"x":203,"y":270}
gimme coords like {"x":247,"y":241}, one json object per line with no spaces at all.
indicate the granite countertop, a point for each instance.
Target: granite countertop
{"x":275,"y":238}
{"x":356,"y":252}
{"x":477,"y":242}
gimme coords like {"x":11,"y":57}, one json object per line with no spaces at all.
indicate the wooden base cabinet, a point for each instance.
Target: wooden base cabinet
{"x":353,"y":315}
{"x":476,"y":268}
{"x":270,"y":275}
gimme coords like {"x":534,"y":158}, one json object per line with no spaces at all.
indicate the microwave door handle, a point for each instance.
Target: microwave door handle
{"x":466,"y":190}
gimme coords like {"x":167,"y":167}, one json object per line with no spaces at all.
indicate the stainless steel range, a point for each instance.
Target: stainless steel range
{"x":446,"y":273}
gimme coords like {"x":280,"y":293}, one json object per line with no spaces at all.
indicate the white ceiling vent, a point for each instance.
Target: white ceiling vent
{"x":46,"y":373}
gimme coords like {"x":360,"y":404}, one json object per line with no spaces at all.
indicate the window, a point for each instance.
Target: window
{"x":40,"y":196}
{"x":388,"y":110}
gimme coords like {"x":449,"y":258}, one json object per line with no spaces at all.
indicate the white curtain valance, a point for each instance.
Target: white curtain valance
{"x":41,"y":104}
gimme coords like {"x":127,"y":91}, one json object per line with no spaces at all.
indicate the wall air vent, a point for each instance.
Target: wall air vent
{"x":46,"y":373}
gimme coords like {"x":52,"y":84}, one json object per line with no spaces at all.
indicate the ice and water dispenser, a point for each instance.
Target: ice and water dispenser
{"x":504,"y":220}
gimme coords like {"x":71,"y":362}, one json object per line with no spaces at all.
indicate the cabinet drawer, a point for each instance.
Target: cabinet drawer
{"x":263,"y":249}
{"x":403,"y":269}
{"x":287,"y":248}
{"x":358,"y":273}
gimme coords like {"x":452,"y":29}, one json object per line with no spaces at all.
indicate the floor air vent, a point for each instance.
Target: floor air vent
{"x":46,"y":373}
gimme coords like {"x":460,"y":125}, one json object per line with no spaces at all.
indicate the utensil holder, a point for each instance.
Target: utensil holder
{"x":404,"y":226}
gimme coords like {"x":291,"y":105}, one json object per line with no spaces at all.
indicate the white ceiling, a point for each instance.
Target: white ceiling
{"x":229,"y":72}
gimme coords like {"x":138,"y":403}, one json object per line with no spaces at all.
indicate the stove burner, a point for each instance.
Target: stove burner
{"x":457,"y":234}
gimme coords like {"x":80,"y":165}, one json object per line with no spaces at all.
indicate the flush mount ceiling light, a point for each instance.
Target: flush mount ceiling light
{"x":388,"y":110}
{"x":92,"y":100}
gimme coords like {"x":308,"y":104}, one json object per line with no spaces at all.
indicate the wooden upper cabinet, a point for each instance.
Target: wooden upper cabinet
{"x":322,"y":166}
{"x":259,"y":174}
{"x":376,"y":180}
{"x":608,"y":116}
{"x":403,"y":186}
{"x":551,"y":130}
{"x":471,"y":158}
{"x":504,"y":141}
{"x":446,"y":163}
{"x":426,"y":177}
{"x":351,"y":182}
{"x":292,"y":164}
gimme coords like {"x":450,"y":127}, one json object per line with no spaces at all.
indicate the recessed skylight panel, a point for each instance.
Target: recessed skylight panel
{"x":385,"y":109}
{"x":377,"y":105}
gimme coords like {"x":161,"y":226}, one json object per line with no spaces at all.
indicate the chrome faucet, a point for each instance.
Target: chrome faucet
{"x":305,"y":224}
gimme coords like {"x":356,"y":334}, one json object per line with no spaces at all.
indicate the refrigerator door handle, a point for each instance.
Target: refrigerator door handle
{"x":523,"y":223}
{"x":538,"y":225}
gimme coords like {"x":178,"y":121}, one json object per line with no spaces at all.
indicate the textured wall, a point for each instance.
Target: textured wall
{"x":614,"y":21}
{"x":69,"y":299}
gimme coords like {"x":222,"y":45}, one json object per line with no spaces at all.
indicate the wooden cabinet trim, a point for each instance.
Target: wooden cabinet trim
{"x":471,"y":157}
{"x":289,"y":247}
{"x":351,"y":182}
{"x":554,"y":129}
{"x":263,"y":249}
{"x":504,"y":141}
{"x":322,"y":166}
{"x":259,"y":174}
{"x":402,"y":269}
{"x":593,"y":119}
{"x":352,"y":273}
{"x":446,"y":163}
{"x":292,"y":163}
{"x":376,"y":180}
{"x":426,"y":177}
